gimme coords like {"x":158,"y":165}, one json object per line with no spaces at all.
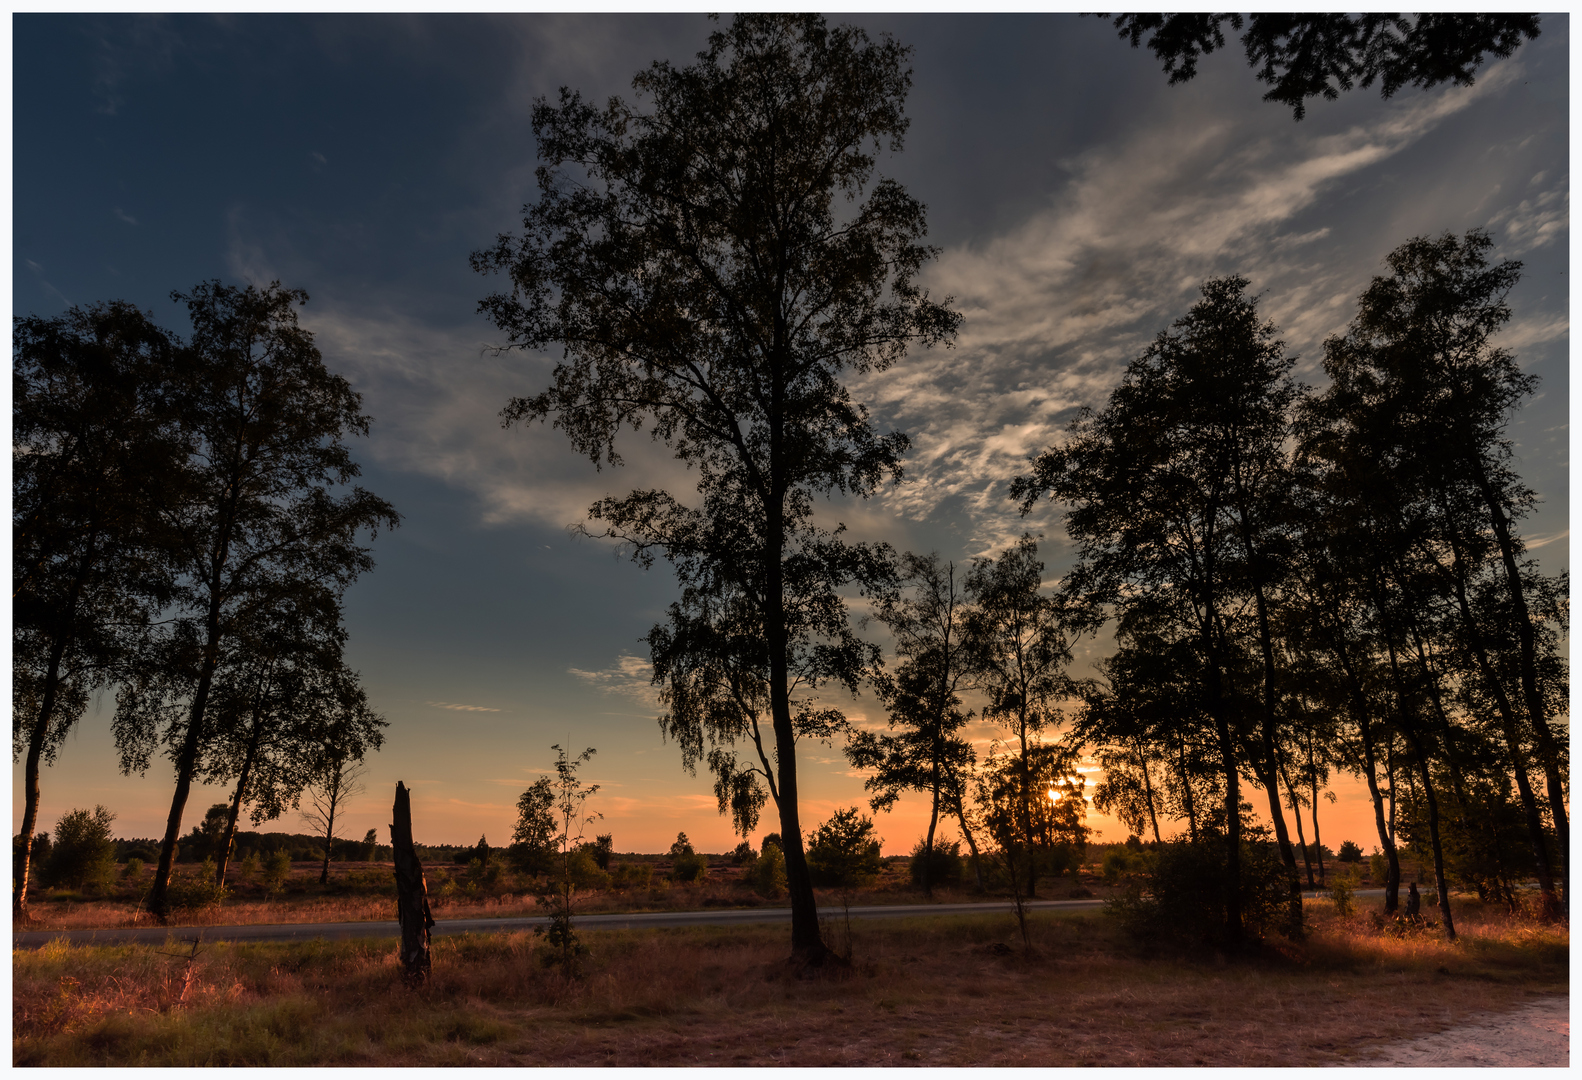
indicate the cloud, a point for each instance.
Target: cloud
{"x":124,"y":216}
{"x":318,"y":160}
{"x":460,"y":708}
{"x":436,"y":393}
{"x":630,"y":676}
{"x":1535,"y":222}
{"x":1055,"y":307}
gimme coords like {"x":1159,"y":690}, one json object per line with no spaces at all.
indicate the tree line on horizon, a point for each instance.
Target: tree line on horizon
{"x":1297,"y":581}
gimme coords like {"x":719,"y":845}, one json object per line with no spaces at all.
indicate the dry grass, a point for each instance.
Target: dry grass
{"x":361,"y":892}
{"x":941,"y":991}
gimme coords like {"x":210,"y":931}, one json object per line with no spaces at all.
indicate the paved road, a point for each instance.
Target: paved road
{"x":158,"y":935}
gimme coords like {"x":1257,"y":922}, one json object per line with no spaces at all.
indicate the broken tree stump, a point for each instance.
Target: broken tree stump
{"x":411,"y":893}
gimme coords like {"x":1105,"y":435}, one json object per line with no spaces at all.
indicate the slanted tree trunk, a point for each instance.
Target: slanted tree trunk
{"x":412,"y":910}
{"x":228,"y":841}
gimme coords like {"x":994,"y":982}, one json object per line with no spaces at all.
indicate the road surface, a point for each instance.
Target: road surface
{"x":158,"y":935}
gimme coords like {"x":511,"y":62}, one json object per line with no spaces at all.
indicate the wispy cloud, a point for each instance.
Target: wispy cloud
{"x":460,"y":708}
{"x":630,"y":676}
{"x":124,"y":216}
{"x":1054,"y":308}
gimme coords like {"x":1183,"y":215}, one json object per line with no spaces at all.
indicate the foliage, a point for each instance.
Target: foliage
{"x":1342,"y":890}
{"x":768,"y":874}
{"x":1123,"y":863}
{"x":936,"y":865}
{"x":261,"y":516}
{"x":632,"y":876}
{"x":924,"y":750}
{"x":1319,"y":55}
{"x":134,"y":869}
{"x":533,"y":840}
{"x":1183,"y":897}
{"x":95,"y":449}
{"x":574,"y":869}
{"x":715,"y":266}
{"x":82,"y":854}
{"x":1349,"y":852}
{"x":843,"y":852}
{"x":277,"y":868}
{"x":742,"y":854}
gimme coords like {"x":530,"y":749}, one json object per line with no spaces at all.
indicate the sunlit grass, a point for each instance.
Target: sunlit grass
{"x":941,"y":991}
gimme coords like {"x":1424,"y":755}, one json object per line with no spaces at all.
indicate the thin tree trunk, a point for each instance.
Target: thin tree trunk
{"x":229,"y":841}
{"x":1318,"y":844}
{"x":1392,"y":881}
{"x":1301,"y":839}
{"x":933,"y":821}
{"x":334,"y":796}
{"x":1148,"y":790}
{"x":40,"y":733}
{"x":1551,"y":907}
{"x":1548,"y":750}
{"x":186,"y":765}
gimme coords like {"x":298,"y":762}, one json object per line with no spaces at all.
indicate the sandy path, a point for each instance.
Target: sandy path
{"x":1536,"y":1035}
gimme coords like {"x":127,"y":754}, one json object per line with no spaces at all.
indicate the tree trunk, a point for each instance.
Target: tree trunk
{"x":411,"y":894}
{"x":1548,"y":750}
{"x":1148,"y":789}
{"x":1392,"y":881}
{"x":1551,"y":907}
{"x":933,"y":822}
{"x":40,"y":734}
{"x":334,"y":796}
{"x":186,"y":765}
{"x":1301,"y":838}
{"x":1318,"y":844}
{"x":966,"y":833}
{"x":229,"y":840}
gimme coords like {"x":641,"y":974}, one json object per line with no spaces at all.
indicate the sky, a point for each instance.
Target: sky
{"x":1077,"y":200}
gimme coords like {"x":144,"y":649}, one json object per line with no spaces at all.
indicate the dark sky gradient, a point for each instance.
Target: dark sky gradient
{"x":1079,"y":201}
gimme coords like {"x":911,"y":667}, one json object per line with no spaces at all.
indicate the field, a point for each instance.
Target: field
{"x":939,"y":991}
{"x":359,"y":891}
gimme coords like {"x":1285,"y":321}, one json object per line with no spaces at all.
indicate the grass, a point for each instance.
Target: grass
{"x":365,"y":892}
{"x":935,"y":991}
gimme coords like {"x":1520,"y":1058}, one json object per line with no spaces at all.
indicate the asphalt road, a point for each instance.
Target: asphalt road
{"x":158,"y":935}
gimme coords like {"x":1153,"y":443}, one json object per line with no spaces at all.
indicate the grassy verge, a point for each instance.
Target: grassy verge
{"x":939,"y":991}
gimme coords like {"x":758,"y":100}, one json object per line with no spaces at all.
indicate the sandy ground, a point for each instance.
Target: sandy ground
{"x":1536,"y":1035}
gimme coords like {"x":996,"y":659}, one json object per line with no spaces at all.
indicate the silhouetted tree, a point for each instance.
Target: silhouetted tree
{"x":1173,"y":492}
{"x":1319,"y":55}
{"x":532,"y":840}
{"x":924,"y":749}
{"x":258,"y":522}
{"x":1018,"y":649}
{"x":94,"y":446}
{"x":347,"y":730}
{"x":695,"y":265}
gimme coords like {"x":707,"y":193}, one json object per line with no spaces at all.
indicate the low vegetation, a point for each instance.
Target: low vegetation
{"x":938,"y":991}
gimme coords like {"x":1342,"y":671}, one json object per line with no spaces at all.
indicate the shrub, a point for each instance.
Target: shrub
{"x":1349,"y":852}
{"x":843,"y":852}
{"x":743,"y":854}
{"x":133,"y":869}
{"x":83,"y":852}
{"x":276,"y":870}
{"x":1378,"y":867}
{"x":196,"y":891}
{"x":1122,"y":863}
{"x":944,"y":862}
{"x":689,"y":867}
{"x":1341,"y":887}
{"x":1182,"y":896}
{"x":602,"y":847}
{"x":633,"y":876}
{"x":768,"y":874}
{"x":247,"y":870}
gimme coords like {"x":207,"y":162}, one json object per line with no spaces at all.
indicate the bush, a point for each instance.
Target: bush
{"x":843,"y":853}
{"x":633,"y":876}
{"x":768,"y":874}
{"x":743,"y":854}
{"x":133,"y":869}
{"x":1182,"y":896}
{"x":601,"y":849}
{"x":83,"y":852}
{"x":1349,"y":852}
{"x":276,"y":870}
{"x":248,"y":868}
{"x":1341,"y":887}
{"x":1378,"y":867}
{"x":196,"y":891}
{"x":689,"y":867}
{"x":1123,"y":863}
{"x":944,"y":862}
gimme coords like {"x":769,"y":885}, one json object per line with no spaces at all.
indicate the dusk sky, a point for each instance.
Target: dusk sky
{"x":1078,"y":201}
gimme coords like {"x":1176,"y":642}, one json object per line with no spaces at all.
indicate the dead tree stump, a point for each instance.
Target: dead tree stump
{"x":411,"y":894}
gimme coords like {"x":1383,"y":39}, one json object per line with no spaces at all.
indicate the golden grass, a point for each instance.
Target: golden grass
{"x":937,"y":991}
